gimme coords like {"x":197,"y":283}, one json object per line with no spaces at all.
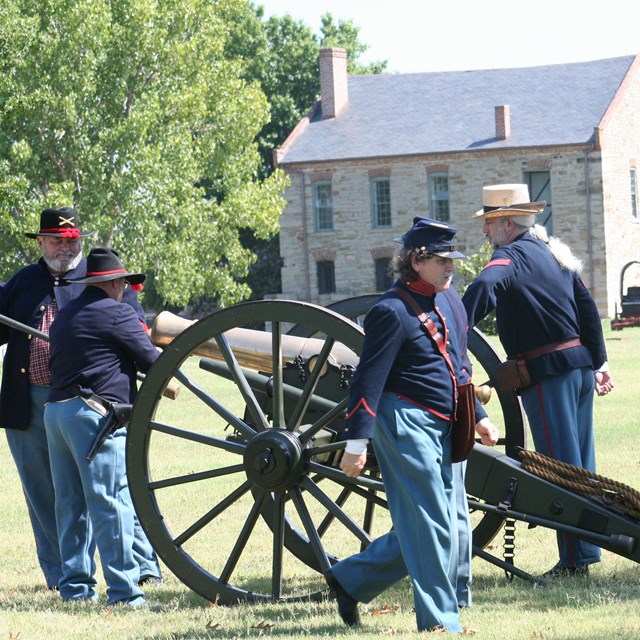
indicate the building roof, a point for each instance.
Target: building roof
{"x":420,"y":113}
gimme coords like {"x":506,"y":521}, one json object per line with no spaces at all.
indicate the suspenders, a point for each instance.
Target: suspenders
{"x":429,"y":326}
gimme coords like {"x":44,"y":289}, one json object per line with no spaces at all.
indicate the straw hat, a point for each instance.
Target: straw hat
{"x":508,"y":201}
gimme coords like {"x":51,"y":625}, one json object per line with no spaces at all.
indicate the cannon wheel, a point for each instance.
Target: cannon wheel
{"x":486,"y":525}
{"x":250,"y":508}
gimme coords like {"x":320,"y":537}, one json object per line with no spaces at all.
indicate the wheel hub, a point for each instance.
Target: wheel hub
{"x":273,"y":459}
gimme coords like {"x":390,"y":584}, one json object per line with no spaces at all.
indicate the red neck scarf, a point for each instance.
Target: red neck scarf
{"x":421,"y":287}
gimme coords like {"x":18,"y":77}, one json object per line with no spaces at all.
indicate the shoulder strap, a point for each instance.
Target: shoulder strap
{"x":428,"y":325}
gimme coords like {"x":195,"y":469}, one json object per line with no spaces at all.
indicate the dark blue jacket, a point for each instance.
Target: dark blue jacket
{"x":398,"y":356}
{"x":537,"y":303}
{"x":24,"y":297}
{"x":451,"y":307}
{"x":97,"y":345}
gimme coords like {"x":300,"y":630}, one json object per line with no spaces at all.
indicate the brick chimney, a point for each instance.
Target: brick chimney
{"x":503,"y":122}
{"x":334,"y":93}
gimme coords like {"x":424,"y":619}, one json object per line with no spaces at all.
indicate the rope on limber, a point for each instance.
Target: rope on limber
{"x":605,"y":490}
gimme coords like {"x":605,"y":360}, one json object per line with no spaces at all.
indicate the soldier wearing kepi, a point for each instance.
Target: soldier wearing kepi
{"x":33,"y":296}
{"x":97,"y":345}
{"x":404,"y":397}
{"x":547,"y":318}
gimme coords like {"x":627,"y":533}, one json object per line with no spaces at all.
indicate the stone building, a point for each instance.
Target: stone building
{"x":376,"y":150}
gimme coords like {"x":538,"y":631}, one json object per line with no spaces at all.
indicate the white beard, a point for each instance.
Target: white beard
{"x":58,"y":266}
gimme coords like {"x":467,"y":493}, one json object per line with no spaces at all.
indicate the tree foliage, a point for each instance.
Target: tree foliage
{"x":133,"y":112}
{"x":281,"y":55}
{"x":466,"y":272}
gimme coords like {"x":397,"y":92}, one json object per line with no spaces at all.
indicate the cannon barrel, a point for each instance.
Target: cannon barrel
{"x":264,"y":383}
{"x":252,"y":349}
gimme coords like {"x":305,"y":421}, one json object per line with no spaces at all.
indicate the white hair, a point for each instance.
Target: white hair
{"x":561,"y":252}
{"x":526,"y":222}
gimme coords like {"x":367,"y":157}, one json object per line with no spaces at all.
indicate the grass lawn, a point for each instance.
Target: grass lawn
{"x":604,"y":607}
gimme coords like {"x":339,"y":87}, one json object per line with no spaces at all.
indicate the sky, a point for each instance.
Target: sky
{"x":461,"y":35}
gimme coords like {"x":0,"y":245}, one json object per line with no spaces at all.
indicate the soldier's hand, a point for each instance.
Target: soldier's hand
{"x":604,"y":383}
{"x":352,"y":464}
{"x":488,"y":432}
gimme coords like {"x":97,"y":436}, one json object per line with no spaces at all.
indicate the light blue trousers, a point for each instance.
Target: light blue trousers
{"x":413,"y":450}
{"x":91,"y":497}
{"x":463,"y":575}
{"x":30,"y":453}
{"x":560,"y":413}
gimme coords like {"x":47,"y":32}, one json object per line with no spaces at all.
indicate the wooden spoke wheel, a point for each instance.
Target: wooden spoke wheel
{"x":235,"y":482}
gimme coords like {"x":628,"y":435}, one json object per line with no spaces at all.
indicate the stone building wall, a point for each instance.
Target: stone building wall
{"x":620,"y":142}
{"x":577,"y":213}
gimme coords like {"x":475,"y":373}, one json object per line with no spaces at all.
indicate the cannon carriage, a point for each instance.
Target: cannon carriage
{"x":249,"y":504}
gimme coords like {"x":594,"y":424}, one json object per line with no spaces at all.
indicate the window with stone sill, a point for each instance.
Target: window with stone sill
{"x":380,"y":190}
{"x":439,"y":196}
{"x":322,"y":205}
{"x":384,"y":279}
{"x":539,"y":183}
{"x":326,"y":276}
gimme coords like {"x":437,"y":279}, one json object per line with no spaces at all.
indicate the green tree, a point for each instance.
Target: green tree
{"x":281,"y":55}
{"x":466,"y":271}
{"x":132,"y":111}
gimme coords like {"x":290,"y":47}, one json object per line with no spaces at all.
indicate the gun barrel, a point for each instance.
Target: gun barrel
{"x":25,"y":328}
{"x":171,"y":391}
{"x":107,"y":428}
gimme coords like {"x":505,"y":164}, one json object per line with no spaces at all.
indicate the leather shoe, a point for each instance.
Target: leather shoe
{"x":347,"y":606}
{"x":579,"y":571}
{"x":149,"y":581}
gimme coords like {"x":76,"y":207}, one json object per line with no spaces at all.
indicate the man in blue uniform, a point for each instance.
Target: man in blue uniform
{"x":404,"y":396}
{"x":97,"y":346}
{"x":33,"y":296}
{"x":547,"y":317}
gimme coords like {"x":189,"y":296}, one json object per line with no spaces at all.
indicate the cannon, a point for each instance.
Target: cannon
{"x":629,"y":313}
{"x":248,"y":504}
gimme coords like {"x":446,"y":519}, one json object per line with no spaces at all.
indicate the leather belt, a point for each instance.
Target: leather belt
{"x":96,"y":402}
{"x":549,"y":348}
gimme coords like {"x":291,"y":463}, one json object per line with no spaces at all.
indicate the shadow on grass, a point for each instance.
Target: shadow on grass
{"x":494,"y":596}
{"x":570,"y":593}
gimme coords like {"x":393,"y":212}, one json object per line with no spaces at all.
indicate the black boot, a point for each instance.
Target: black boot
{"x":347,"y":606}
{"x":579,"y":571}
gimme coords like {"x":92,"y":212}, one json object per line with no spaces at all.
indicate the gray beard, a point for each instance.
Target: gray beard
{"x":57,"y":266}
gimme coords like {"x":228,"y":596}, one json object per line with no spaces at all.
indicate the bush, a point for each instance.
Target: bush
{"x":466,"y":272}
